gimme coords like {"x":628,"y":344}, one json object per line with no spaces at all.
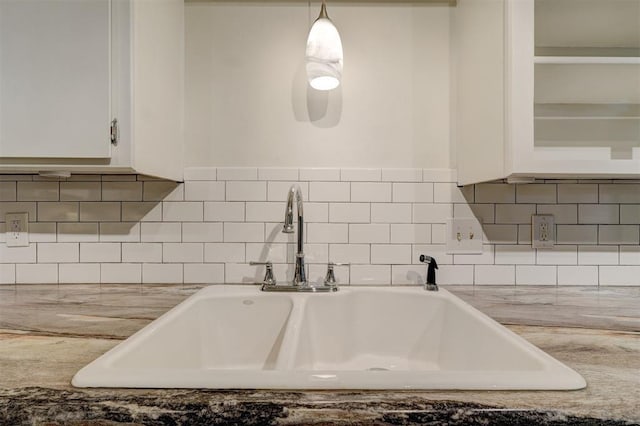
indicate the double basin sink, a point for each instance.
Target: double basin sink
{"x":234,"y":336}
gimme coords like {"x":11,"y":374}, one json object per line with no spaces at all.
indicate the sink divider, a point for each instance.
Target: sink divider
{"x":291,"y":339}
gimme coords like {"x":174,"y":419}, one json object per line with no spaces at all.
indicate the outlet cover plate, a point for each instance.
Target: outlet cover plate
{"x":543,"y":231}
{"x":17,"y":229}
{"x":464,"y":236}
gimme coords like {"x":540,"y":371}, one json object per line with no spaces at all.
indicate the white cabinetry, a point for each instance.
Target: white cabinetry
{"x":547,"y":88}
{"x":144,"y":72}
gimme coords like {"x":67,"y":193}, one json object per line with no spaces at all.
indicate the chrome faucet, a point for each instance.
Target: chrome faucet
{"x":299,"y":277}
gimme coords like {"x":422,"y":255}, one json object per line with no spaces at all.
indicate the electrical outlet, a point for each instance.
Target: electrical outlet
{"x":543,"y":231}
{"x":17,"y":229}
{"x":464,"y":236}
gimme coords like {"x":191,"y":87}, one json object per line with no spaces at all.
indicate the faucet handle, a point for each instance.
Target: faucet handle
{"x":330,"y":278}
{"x":269,"y":276}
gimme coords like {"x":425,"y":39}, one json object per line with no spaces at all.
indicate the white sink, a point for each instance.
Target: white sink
{"x":357,"y":338}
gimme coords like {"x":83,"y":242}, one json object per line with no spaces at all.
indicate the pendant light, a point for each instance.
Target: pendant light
{"x":324,"y":53}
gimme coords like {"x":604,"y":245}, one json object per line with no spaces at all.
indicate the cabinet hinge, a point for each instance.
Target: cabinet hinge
{"x":115,"y":132}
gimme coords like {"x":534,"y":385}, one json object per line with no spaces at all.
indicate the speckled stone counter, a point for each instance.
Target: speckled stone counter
{"x":47,"y":333}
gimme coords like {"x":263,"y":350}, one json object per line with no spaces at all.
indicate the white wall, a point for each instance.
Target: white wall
{"x":248,"y":103}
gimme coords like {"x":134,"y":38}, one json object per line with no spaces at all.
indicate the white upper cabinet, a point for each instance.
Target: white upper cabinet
{"x":54,"y":78}
{"x":558,"y":94}
{"x":69,"y":67}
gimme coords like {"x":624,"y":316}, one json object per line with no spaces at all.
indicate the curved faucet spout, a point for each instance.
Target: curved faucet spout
{"x":299,"y":277}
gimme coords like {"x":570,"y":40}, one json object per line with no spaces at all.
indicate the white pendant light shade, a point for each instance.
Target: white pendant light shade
{"x":324,"y":53}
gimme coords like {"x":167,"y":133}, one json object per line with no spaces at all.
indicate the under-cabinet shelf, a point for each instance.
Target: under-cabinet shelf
{"x":583,"y":111}
{"x":577,"y":60}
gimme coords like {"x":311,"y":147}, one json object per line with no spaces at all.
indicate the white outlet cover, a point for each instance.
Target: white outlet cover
{"x":543,"y":231}
{"x":17,"y":229}
{"x":464,"y":236}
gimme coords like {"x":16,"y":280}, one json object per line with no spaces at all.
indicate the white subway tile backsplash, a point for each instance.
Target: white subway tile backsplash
{"x":277,"y":173}
{"x":80,"y":191}
{"x":350,"y":253}
{"x":536,"y":193}
{"x":431,"y":213}
{"x":320,"y":174}
{"x":412,"y":192}
{"x":577,"y":234}
{"x":514,"y":255}
{"x":79,"y":273}
{"x":630,"y":255}
{"x":370,"y":274}
{"x":38,"y":191}
{"x":559,"y":255}
{"x":328,"y":233}
{"x":77,"y":232}
{"x":278,"y":191}
{"x":7,"y":273}
{"x":146,"y":211}
{"x":237,"y":173}
{"x":455,"y":274}
{"x":202,"y":232}
{"x":348,"y":212}
{"x":566,"y":214}
{"x":378,"y":220}
{"x":37,"y":273}
{"x":402,"y":175}
{"x":630,"y":214}
{"x":598,"y":255}
{"x":598,"y":213}
{"x":188,"y":211}
{"x":514,"y":213}
{"x":395,"y":254}
{"x":378,"y":192}
{"x":100,"y":211}
{"x":626,"y":193}
{"x":203,"y":273}
{"x":264,"y":212}
{"x":138,"y":252}
{"x":243,"y":232}
{"x":619,"y":275}
{"x":330,"y":191}
{"x":116,"y":273}
{"x":577,"y":193}
{"x":66,"y":211}
{"x":17,"y":254}
{"x":163,"y":191}
{"x":360,"y":175}
{"x":224,"y":253}
{"x":495,"y":193}
{"x":224,"y":211}
{"x":619,"y":234}
{"x":159,"y":232}
{"x":122,"y":191}
{"x":536,"y":275}
{"x":58,"y":252}
{"x":577,"y":275}
{"x":369,"y":233}
{"x":204,"y":191}
{"x":451,"y":193}
{"x":7,"y":191}
{"x":246,"y":191}
{"x":391,"y":213}
{"x":495,"y":275}
{"x":182,"y":252}
{"x":407,"y":275}
{"x":200,"y":173}
{"x":126,"y":232}
{"x":411,"y":233}
{"x":162,"y":273}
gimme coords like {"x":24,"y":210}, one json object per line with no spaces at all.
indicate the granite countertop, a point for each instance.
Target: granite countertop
{"x":49,"y":332}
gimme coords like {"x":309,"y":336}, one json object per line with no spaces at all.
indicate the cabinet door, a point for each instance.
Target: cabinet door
{"x":575,"y":87}
{"x":55,"y":78}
